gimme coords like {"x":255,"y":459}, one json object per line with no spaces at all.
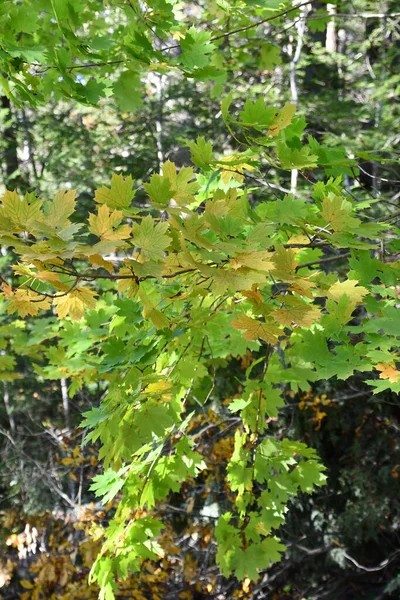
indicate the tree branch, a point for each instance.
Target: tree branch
{"x":323,"y":260}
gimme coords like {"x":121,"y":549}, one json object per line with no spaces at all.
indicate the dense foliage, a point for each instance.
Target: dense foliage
{"x":215,"y":289}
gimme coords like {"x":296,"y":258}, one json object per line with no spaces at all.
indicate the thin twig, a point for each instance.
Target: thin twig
{"x":323,"y":260}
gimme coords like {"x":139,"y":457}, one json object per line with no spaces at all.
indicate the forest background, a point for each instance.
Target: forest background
{"x":339,"y":63}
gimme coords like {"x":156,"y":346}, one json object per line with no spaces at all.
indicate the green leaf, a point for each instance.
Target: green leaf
{"x":248,"y":562}
{"x":151,"y":238}
{"x":128,"y":91}
{"x":109,"y":483}
{"x":293,"y":158}
{"x":202,"y":153}
{"x":159,"y":190}
{"x":119,"y":195}
{"x":196,"y":48}
{"x":270,"y":56}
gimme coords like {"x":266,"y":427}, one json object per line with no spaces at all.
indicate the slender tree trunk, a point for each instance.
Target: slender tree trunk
{"x":6,"y":399}
{"x":159,"y":121}
{"x":295,"y":57}
{"x":67,"y":419}
{"x":331,"y":40}
{"x":65,"y":401}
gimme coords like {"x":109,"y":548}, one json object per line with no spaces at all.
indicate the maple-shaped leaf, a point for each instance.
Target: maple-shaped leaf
{"x":259,"y":260}
{"x":196,"y":47}
{"x":108,"y":484}
{"x":105,"y":224}
{"x":233,"y":280}
{"x":303,"y":286}
{"x":201,"y":152}
{"x":17,"y":214}
{"x":119,"y":195}
{"x":289,"y":210}
{"x":239,"y":477}
{"x":159,"y":189}
{"x":256,"y":557}
{"x":73,"y":303}
{"x":339,"y":314}
{"x":285,"y":263}
{"x":336,"y":210}
{"x":308,"y":474}
{"x":150,"y":238}
{"x":127,"y":90}
{"x":296,"y":158}
{"x":254,"y":295}
{"x":296,"y":311}
{"x":182,"y":187}
{"x":257,"y":115}
{"x":58,"y":211}
{"x":254,"y":330}
{"x":24,"y":301}
{"x":349,"y":288}
{"x":388,"y":371}
{"x":282,"y":119}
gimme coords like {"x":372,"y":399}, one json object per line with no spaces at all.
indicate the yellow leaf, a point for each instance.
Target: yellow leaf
{"x":236,"y":165}
{"x":254,"y":294}
{"x":48,"y":276}
{"x":24,"y":302}
{"x":127,"y":286}
{"x":73,"y":304}
{"x":181,"y":188}
{"x":17,"y":215}
{"x":388,"y":371}
{"x":72,"y":476}
{"x":285,"y":263}
{"x":283,"y":119}
{"x":259,"y":260}
{"x":349,"y":288}
{"x":336,"y":210}
{"x":41,"y":274}
{"x":157,"y":387}
{"x":119,"y":195}
{"x":256,"y":329}
{"x":296,"y":311}
{"x":318,"y":417}
{"x":232,"y":280}
{"x":60,"y":209}
{"x":105,"y":224}
{"x":302,"y":286}
{"x":27,"y":585}
{"x":98,"y":261}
